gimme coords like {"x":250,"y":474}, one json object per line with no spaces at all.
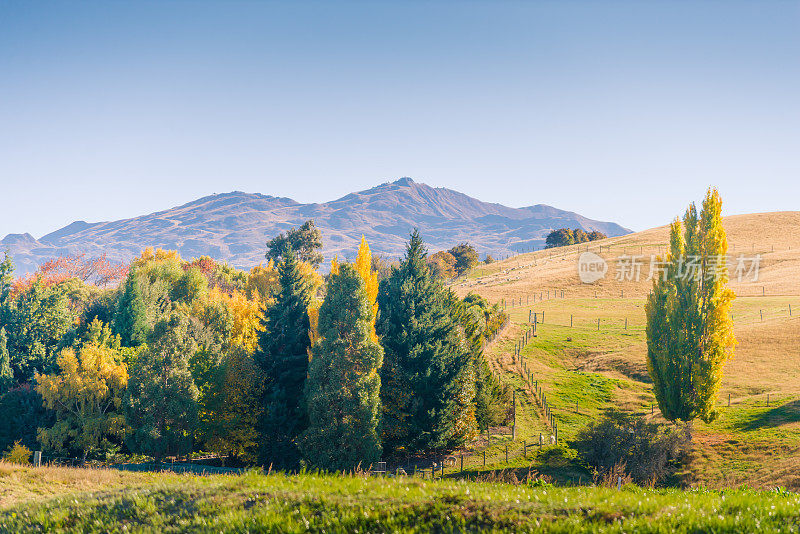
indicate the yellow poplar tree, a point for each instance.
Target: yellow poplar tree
{"x":364,"y":269}
{"x":689,"y":326}
{"x":85,"y":396}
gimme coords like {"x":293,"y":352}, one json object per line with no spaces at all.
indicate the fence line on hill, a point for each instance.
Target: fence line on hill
{"x":763,"y":315}
{"x":525,"y":301}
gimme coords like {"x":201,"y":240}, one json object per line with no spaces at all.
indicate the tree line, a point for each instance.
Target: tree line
{"x":563,"y":237}
{"x":276,"y":366}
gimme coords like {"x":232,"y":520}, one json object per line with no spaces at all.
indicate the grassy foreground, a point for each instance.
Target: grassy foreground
{"x":141,"y":502}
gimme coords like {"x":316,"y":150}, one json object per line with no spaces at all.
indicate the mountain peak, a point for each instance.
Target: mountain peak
{"x":234,"y":226}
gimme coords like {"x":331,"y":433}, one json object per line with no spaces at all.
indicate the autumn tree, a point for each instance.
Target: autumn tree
{"x":488,"y":400}
{"x":161,"y":401}
{"x":305,"y":242}
{"x":425,"y":358}
{"x":442,"y":265}
{"x":365,"y":269}
{"x":85,"y":395}
{"x":283,"y":355}
{"x":99,"y":271}
{"x":560,"y":238}
{"x":466,"y":257}
{"x":343,"y":387}
{"x":262,"y":283}
{"x":689,"y":326}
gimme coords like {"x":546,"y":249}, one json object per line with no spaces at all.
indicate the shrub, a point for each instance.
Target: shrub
{"x":618,"y":442}
{"x":18,"y":454}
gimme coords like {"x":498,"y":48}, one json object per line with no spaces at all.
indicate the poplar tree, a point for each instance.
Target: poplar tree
{"x":363,"y":266}
{"x":283,"y":355}
{"x":343,"y":388}
{"x":426,"y":359}
{"x":689,"y":326}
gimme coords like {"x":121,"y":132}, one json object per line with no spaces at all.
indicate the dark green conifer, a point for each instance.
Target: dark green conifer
{"x":283,"y":354}
{"x":425,"y":359}
{"x":343,"y":388}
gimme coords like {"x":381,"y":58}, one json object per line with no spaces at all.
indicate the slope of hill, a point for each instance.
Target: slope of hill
{"x":234,"y":226}
{"x":590,"y":350}
{"x":772,"y":237}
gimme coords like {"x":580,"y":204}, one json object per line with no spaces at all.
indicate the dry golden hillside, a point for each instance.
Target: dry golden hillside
{"x":773,"y":236}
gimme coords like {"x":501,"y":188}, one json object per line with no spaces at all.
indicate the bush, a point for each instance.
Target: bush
{"x":18,"y":454}
{"x":645,"y":451}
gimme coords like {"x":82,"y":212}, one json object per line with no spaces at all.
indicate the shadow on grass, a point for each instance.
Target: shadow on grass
{"x":773,"y":417}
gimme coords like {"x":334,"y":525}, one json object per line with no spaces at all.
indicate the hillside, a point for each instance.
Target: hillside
{"x":591,"y":346}
{"x":773,"y":236}
{"x":234,"y":226}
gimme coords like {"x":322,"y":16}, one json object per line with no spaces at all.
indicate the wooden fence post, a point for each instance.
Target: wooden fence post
{"x":462,"y":463}
{"x":514,"y":408}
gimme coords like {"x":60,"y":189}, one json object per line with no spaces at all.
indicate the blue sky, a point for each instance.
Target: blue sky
{"x":621,"y":111}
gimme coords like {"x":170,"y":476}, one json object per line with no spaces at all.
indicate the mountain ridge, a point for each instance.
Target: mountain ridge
{"x":235,"y":226}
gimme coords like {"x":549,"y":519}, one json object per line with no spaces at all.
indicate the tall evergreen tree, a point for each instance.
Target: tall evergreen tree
{"x":283,"y":354}
{"x":6,"y":375}
{"x":130,"y":321}
{"x":426,"y":358}
{"x":689,"y":327}
{"x":343,"y":388}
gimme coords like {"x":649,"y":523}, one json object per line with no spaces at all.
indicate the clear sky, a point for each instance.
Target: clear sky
{"x":621,"y":111}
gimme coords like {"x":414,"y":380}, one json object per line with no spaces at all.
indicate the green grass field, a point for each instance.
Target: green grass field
{"x":137,"y":502}
{"x":585,"y":370}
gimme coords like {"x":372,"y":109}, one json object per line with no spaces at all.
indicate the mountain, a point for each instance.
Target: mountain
{"x":235,"y":226}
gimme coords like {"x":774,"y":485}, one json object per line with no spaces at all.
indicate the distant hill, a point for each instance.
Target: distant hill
{"x":235,"y":226}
